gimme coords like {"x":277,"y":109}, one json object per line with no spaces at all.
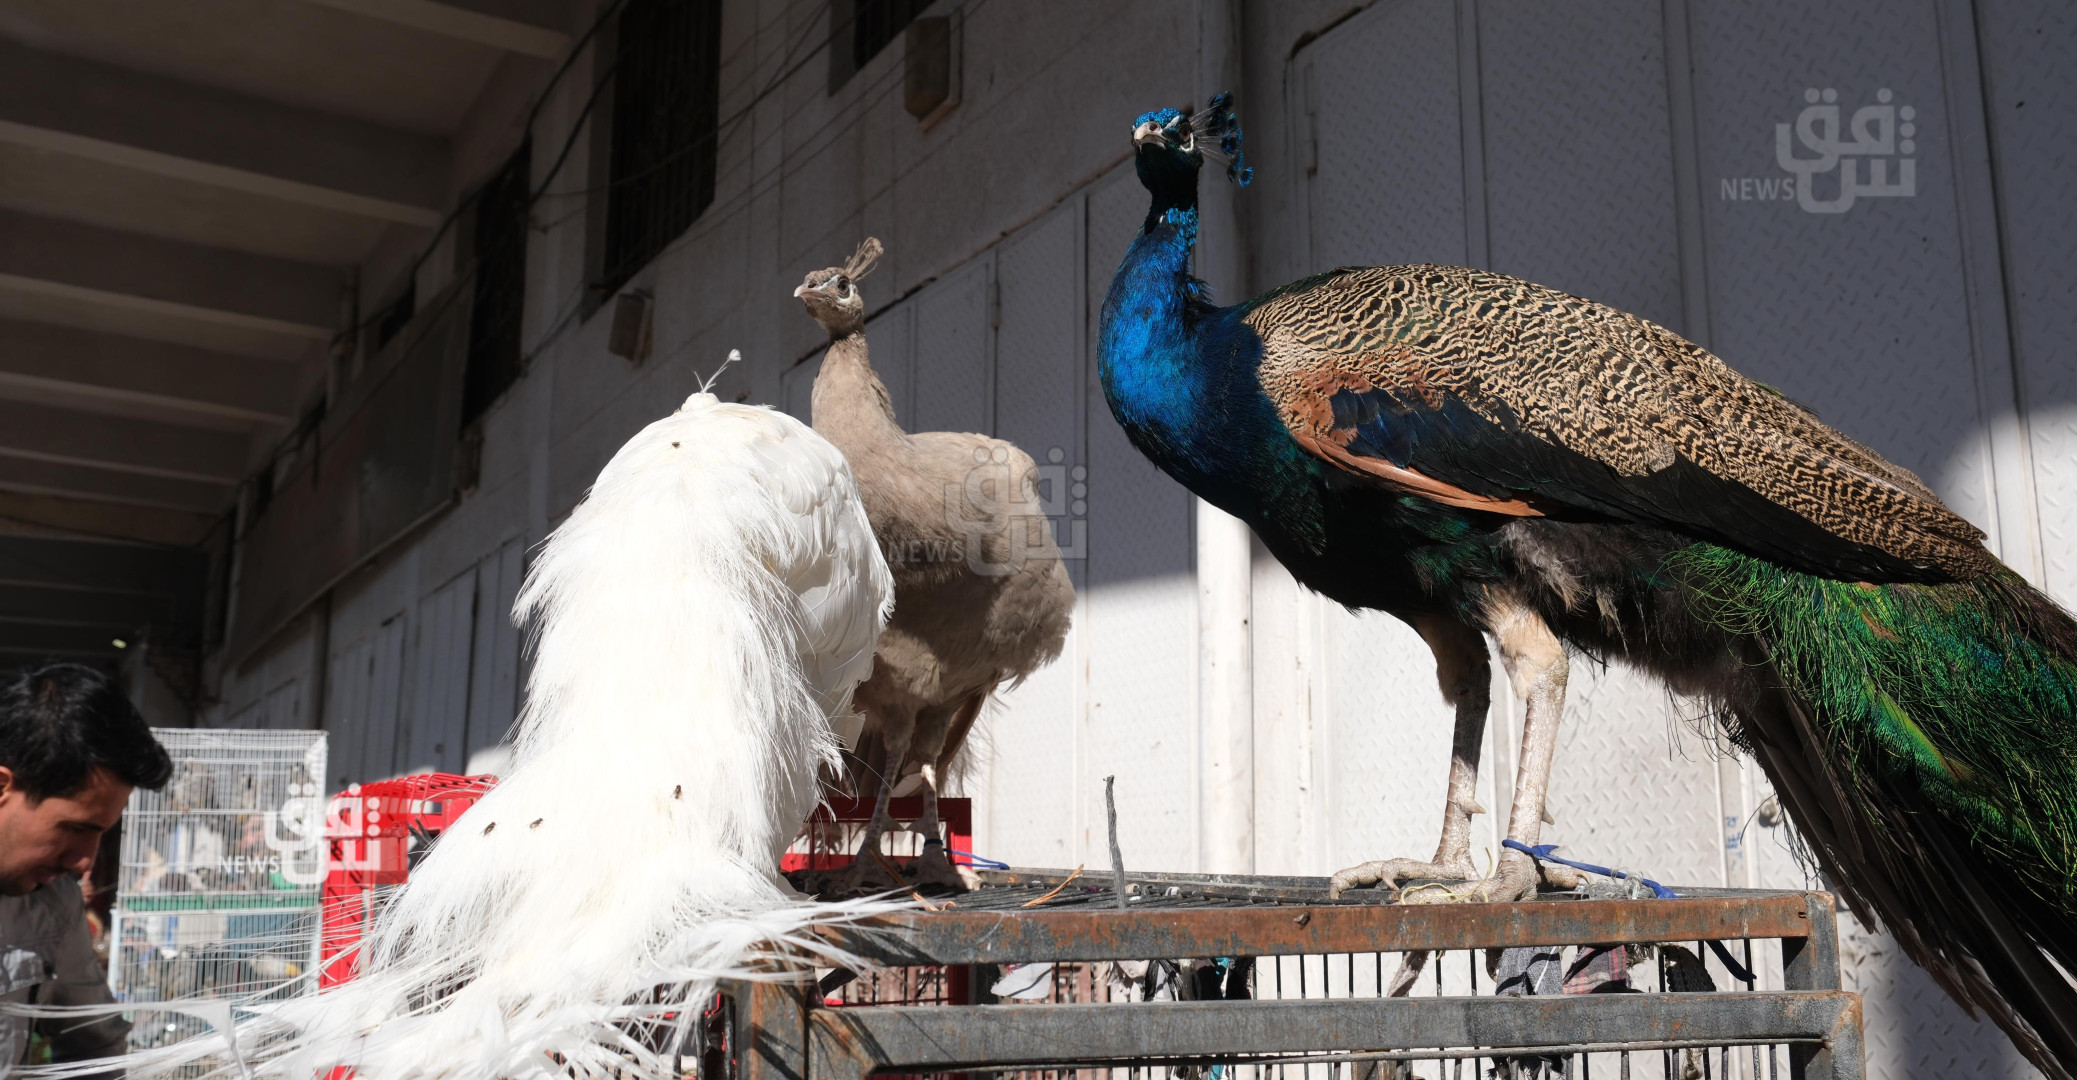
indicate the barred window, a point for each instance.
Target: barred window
{"x":666,"y":104}
{"x":859,"y":29}
{"x":499,"y":245}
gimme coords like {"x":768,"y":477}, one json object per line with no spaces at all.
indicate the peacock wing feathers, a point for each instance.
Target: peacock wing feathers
{"x":1488,"y":392}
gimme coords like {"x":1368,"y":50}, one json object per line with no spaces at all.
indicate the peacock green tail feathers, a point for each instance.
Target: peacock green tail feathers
{"x":1958,"y":691}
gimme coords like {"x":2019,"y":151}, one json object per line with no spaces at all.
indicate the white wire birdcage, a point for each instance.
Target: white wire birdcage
{"x":217,"y":895}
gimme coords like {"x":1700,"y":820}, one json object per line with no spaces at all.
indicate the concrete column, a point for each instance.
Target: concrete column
{"x":1225,"y":695}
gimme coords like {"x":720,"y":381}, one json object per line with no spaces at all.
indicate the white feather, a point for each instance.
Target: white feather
{"x":700,"y":623}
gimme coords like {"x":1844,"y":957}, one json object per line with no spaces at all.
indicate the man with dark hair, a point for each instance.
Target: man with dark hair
{"x":71,"y":749}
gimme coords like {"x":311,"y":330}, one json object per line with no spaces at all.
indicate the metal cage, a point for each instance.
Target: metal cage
{"x":1268,"y":978}
{"x":217,"y":892}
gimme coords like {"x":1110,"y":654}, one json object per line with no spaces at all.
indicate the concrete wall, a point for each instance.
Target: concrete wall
{"x":1605,"y":149}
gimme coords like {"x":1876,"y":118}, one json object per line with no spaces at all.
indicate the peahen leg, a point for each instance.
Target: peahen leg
{"x":869,"y":867}
{"x":1465,"y":674}
{"x":934,"y":747}
{"x":934,"y":866}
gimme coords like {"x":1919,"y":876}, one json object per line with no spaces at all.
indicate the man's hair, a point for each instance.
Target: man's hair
{"x":60,"y":722}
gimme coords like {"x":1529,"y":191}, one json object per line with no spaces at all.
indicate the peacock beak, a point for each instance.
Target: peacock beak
{"x":1149,"y":132}
{"x":798,"y":290}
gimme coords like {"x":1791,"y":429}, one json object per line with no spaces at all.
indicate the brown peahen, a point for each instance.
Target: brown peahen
{"x":1478,"y":455}
{"x":980,"y":594}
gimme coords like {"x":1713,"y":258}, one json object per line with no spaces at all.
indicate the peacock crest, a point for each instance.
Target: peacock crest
{"x":864,"y":259}
{"x":1217,"y":122}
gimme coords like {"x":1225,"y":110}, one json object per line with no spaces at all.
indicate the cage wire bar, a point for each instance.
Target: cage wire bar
{"x":217,"y":891}
{"x":1267,"y":979}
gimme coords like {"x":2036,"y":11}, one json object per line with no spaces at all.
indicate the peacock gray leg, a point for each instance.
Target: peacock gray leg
{"x":1465,"y":674}
{"x":1536,"y":667}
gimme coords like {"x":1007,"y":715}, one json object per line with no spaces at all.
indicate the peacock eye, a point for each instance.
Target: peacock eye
{"x":843,"y":286}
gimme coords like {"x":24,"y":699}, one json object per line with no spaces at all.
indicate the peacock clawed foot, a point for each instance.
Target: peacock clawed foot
{"x":1514,"y":879}
{"x":1391,"y":874}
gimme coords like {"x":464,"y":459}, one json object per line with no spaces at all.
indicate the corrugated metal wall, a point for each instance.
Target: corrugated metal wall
{"x":420,"y":686}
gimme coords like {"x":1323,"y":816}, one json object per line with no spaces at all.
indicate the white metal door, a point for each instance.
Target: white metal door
{"x":494,"y":651}
{"x":953,"y":366}
{"x":364,"y":682}
{"x":436,"y":729}
{"x":1032,"y":779}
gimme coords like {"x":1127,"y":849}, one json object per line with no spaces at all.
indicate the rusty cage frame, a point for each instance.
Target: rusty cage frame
{"x":783,"y":1030}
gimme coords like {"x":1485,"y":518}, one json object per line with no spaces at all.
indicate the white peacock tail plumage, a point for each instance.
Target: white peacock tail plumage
{"x":699,"y":621}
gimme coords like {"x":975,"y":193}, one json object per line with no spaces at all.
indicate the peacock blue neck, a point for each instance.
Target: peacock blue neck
{"x":1179,"y":375}
{"x":1147,"y":356}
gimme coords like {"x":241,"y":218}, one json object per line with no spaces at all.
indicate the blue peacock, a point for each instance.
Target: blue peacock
{"x":1482,"y":456}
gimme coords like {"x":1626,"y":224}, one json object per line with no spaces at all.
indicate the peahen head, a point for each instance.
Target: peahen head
{"x":832,"y":295}
{"x":1170,"y":146}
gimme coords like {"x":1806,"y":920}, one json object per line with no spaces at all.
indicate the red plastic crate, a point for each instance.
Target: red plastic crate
{"x":369,"y":829}
{"x":830,"y":838}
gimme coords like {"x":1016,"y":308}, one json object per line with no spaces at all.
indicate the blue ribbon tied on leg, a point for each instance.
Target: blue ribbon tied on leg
{"x":1543,"y":853}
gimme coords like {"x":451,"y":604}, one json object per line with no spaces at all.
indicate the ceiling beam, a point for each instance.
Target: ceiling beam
{"x":527,"y":27}
{"x":63,"y":518}
{"x":12,"y":660}
{"x":64,"y":642}
{"x":171,"y":578}
{"x":34,"y":477}
{"x":88,"y":369}
{"x":120,"y":444}
{"x":47,"y":257}
{"x":36,"y":605}
{"x":210,"y":136}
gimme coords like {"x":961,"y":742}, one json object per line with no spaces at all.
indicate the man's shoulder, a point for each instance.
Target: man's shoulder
{"x":60,"y":893}
{"x":52,"y":906}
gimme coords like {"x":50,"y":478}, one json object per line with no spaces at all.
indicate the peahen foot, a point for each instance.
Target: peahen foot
{"x":934,"y":869}
{"x":868,"y":873}
{"x":871,"y":871}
